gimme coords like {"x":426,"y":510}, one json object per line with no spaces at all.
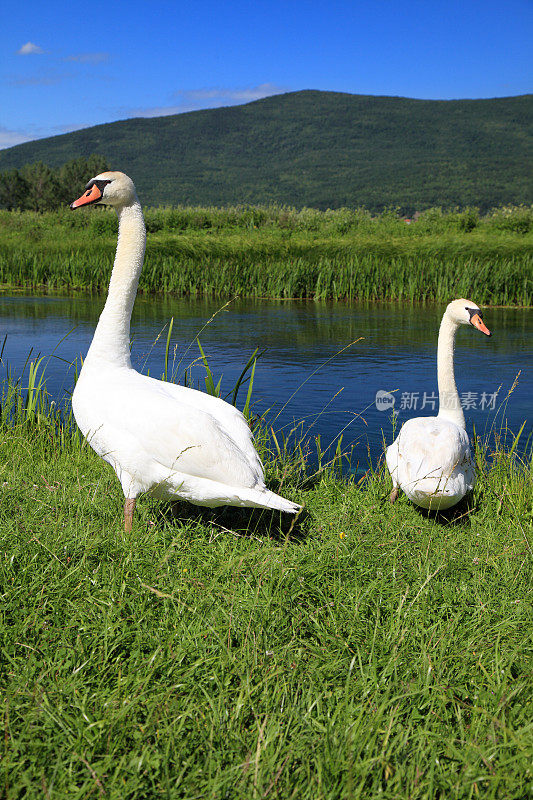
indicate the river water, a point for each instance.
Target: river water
{"x":322,"y":365}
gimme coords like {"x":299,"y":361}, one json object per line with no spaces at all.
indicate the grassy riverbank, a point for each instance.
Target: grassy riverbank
{"x":372,"y":650}
{"x":276,"y":252}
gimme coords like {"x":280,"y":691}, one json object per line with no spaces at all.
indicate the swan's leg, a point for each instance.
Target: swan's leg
{"x":129,"y":508}
{"x":394,"y":495}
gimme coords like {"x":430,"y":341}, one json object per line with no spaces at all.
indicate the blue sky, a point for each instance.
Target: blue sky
{"x":70,"y":65}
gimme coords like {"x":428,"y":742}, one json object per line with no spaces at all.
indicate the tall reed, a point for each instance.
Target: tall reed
{"x":356,"y":274}
{"x":276,"y":252}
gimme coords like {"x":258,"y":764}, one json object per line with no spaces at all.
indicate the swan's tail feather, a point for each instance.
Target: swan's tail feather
{"x":266,"y":499}
{"x":203,"y":492}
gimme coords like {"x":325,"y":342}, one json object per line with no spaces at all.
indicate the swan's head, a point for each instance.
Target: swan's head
{"x":108,"y":188}
{"x":465,"y":312}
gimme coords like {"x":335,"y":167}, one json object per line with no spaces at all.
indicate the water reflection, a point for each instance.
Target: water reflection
{"x":396,"y":351}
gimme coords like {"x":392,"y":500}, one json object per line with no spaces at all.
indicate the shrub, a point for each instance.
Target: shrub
{"x":468,"y":219}
{"x":518,"y":219}
{"x":104,"y":222}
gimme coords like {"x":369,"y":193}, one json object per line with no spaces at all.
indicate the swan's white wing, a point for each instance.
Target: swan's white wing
{"x":229,"y":417}
{"x":430,"y":445}
{"x":137,"y":419}
{"x":431,"y":458}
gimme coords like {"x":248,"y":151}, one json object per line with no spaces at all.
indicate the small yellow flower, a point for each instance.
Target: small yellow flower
{"x":342,"y":535}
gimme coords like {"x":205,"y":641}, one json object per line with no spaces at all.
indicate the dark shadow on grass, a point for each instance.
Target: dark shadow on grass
{"x":241,"y":522}
{"x":456,"y":515}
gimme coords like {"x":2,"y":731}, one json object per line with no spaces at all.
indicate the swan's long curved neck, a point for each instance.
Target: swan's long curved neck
{"x":111,"y":341}
{"x":449,"y":403}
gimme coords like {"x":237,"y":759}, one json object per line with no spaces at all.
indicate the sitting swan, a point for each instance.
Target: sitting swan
{"x":430,"y":459}
{"x":159,"y":437}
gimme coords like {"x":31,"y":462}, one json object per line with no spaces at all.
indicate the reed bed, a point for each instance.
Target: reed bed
{"x":318,"y":255}
{"x":350,"y":275}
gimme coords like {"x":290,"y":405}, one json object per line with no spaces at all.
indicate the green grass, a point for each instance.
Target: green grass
{"x":369,"y":651}
{"x":276,"y":252}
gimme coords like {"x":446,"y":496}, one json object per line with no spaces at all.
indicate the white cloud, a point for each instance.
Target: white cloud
{"x":89,"y":58}
{"x":70,"y":128}
{"x":224,"y":96}
{"x":10,"y":138}
{"x":30,"y":49}
{"x":198,"y":99}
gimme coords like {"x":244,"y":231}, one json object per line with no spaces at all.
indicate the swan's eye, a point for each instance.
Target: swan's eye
{"x":100,"y":183}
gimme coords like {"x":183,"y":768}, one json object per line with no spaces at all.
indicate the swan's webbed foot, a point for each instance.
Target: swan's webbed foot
{"x":129,"y":508}
{"x":394,"y":495}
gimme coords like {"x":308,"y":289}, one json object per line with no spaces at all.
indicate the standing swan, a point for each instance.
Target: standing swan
{"x":161,"y":438}
{"x":430,"y":459}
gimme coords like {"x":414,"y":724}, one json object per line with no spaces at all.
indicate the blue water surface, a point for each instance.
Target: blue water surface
{"x":321,"y":366}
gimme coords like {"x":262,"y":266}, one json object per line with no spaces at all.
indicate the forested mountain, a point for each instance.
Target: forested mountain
{"x":318,"y":149}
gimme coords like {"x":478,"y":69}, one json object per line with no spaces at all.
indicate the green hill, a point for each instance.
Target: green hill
{"x":318,"y":149}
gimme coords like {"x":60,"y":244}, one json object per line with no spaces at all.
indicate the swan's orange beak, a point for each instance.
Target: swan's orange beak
{"x":92,"y":196}
{"x":478,"y":323}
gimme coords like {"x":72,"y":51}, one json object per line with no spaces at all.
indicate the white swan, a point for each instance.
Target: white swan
{"x":161,"y":438}
{"x":430,"y":459}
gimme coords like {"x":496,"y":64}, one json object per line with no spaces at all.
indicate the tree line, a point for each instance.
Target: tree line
{"x":38,"y":187}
